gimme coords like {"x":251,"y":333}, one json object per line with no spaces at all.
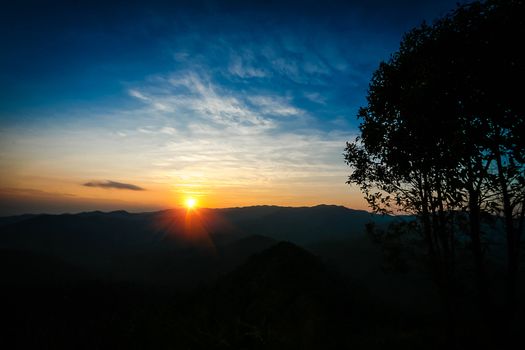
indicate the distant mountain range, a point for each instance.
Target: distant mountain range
{"x":172,"y":245}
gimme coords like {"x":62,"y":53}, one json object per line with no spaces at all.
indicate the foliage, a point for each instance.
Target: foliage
{"x":443,"y":132}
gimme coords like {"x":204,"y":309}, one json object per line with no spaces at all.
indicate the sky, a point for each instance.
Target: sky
{"x":140,"y":105}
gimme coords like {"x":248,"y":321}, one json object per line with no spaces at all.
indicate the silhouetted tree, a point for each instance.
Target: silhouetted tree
{"x":443,"y":132}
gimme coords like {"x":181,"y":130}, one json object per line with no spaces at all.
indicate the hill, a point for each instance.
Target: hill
{"x":281,"y":298}
{"x":174,"y":246}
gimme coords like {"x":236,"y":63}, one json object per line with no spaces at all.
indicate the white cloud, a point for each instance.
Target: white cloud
{"x":137,"y":94}
{"x":276,"y":106}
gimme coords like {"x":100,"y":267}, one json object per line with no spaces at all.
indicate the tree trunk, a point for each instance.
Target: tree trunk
{"x":477,"y":250}
{"x":512,"y":241}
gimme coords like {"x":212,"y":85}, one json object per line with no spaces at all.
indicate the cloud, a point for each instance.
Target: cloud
{"x":137,"y":94}
{"x":194,"y":96}
{"x":275,"y":106}
{"x":113,"y":184}
{"x":315,"y":97}
{"x":240,"y":68}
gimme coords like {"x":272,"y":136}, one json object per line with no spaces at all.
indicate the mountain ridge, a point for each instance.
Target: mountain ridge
{"x":126,"y":212}
{"x":153,"y":247}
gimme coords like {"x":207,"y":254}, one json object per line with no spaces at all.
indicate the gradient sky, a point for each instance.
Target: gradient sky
{"x":138,"y":106}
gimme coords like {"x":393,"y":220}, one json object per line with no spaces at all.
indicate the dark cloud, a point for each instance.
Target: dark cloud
{"x":113,"y":184}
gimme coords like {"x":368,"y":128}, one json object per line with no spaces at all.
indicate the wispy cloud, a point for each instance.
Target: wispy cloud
{"x":243,"y":68}
{"x":274,"y":106}
{"x":113,"y":185}
{"x":315,"y":97}
{"x":190,"y":95}
{"x":138,"y":94}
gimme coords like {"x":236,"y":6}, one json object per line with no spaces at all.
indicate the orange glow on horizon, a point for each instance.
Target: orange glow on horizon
{"x":60,"y":196}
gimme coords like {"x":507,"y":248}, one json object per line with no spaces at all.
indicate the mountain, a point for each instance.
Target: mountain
{"x":215,"y":278}
{"x":281,"y":298}
{"x":303,"y":225}
{"x":174,"y":246}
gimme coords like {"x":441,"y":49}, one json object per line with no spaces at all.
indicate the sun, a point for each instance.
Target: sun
{"x":191,"y":202}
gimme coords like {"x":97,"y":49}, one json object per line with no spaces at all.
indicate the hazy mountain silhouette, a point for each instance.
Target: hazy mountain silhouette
{"x":174,"y":246}
{"x":303,"y":225}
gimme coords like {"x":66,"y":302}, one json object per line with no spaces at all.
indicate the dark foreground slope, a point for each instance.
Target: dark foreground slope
{"x":281,"y":298}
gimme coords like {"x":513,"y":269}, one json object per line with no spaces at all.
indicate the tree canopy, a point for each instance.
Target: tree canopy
{"x":443,"y":132}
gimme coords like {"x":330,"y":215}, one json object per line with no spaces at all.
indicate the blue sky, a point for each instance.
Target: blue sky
{"x":233,"y":102}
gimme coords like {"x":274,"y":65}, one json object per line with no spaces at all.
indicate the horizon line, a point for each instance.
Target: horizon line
{"x":184,"y":208}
